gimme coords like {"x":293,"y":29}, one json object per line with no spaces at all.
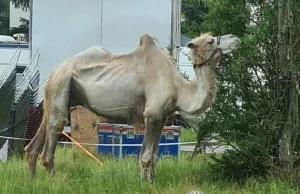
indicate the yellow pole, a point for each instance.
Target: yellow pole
{"x":88,"y":153}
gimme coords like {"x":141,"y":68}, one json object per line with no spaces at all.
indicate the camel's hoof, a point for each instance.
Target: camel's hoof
{"x":32,"y":172}
{"x":32,"y":176}
{"x":147,"y":174}
{"x":48,"y":167}
{"x":52,"y":173}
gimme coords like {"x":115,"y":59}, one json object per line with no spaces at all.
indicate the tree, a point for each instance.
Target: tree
{"x":193,"y":12}
{"x":288,"y":65}
{"x":4,"y":17}
{"x":23,"y":4}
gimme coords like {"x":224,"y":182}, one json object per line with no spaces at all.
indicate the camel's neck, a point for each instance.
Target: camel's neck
{"x":196,"y":97}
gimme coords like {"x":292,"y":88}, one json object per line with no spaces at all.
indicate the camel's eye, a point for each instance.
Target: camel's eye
{"x":210,"y":41}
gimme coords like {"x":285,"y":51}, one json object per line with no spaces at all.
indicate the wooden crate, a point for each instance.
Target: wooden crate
{"x":84,"y":127}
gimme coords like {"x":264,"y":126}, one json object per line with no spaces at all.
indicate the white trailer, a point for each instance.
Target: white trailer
{"x":9,"y":49}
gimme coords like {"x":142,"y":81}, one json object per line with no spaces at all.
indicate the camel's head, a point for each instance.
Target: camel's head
{"x":207,"y":48}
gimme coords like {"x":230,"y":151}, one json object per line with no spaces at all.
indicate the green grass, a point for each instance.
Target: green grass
{"x":188,"y":135}
{"x":77,"y":173}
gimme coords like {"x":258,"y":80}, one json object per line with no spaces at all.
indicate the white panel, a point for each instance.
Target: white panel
{"x":6,"y":55}
{"x":61,"y":29}
{"x":185,"y":65}
{"x":124,"y":21}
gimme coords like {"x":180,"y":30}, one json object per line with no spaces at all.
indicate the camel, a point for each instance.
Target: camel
{"x":141,"y":86}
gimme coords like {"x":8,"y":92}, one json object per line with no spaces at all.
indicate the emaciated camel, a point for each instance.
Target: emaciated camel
{"x":142,"y":87}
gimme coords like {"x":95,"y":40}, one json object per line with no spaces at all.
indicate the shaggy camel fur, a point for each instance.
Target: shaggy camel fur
{"x":142,"y":86}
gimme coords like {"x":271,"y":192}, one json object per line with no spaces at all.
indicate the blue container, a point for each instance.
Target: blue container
{"x":118,"y":140}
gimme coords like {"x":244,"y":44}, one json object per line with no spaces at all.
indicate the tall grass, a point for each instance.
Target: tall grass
{"x":188,"y":135}
{"x":77,"y":173}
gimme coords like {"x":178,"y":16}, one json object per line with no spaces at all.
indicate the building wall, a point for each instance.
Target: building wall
{"x":125,"y":21}
{"x":59,"y":32}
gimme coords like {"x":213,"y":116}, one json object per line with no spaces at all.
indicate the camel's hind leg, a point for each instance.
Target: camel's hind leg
{"x":54,"y":130}
{"x":56,"y":112}
{"x":33,"y":149}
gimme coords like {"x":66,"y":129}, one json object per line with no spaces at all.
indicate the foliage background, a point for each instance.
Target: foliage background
{"x":4,"y":16}
{"x":5,"y":21}
{"x":254,"y":88}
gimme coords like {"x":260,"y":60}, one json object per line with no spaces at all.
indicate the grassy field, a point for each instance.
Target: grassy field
{"x":77,"y":173}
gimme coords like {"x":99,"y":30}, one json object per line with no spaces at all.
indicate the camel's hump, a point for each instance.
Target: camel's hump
{"x":148,"y":41}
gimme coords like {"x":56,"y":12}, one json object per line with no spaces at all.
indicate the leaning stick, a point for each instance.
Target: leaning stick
{"x":88,"y":153}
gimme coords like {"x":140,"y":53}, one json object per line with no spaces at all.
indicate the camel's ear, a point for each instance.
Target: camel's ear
{"x":206,"y":33}
{"x":191,"y":45}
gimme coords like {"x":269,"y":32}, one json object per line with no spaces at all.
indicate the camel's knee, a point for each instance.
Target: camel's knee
{"x":153,"y":116}
{"x":147,"y":160}
{"x":57,"y":125}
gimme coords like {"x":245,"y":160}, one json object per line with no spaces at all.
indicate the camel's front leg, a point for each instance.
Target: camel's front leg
{"x":153,"y":129}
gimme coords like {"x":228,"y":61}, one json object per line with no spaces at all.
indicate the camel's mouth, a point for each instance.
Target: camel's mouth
{"x":235,"y":44}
